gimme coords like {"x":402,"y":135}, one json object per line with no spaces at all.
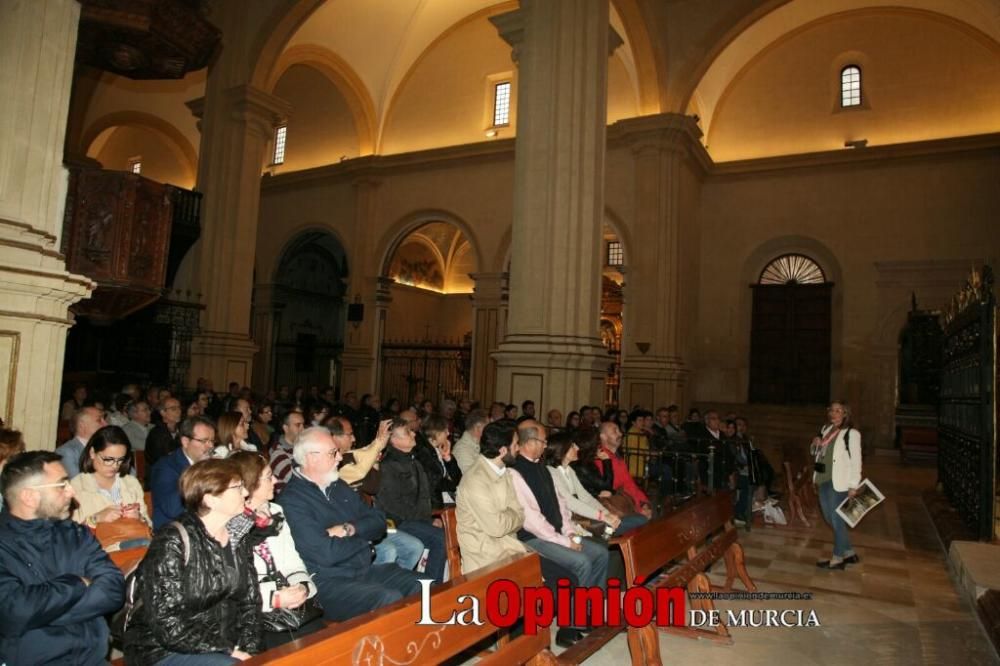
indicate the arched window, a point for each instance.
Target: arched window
{"x":792,"y":269}
{"x":850,"y":86}
{"x":790,"y":335}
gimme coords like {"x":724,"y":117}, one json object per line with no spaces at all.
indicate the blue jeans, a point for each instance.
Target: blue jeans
{"x":399,"y":548}
{"x":630,"y":522}
{"x":589,"y":566}
{"x":433,"y":540}
{"x":380,"y":585}
{"x":829,"y":500}
{"x":202,"y":659}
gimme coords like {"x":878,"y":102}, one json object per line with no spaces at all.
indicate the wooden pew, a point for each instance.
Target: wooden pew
{"x":391,"y":635}
{"x":682,"y":535}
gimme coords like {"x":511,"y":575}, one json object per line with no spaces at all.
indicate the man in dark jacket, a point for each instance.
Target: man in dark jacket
{"x":197,"y":435}
{"x":333,"y":532}
{"x":405,"y":496}
{"x":56,"y":583}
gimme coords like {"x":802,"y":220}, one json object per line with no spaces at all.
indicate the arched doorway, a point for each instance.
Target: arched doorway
{"x":427,"y":341}
{"x":790,"y":340}
{"x":612,"y":310}
{"x":299,"y":317}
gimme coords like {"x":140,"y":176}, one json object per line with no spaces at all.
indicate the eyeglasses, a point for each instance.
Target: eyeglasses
{"x":111,"y":462}
{"x":236,"y":485}
{"x":203,"y":440}
{"x":63,"y":485}
{"x":544,"y":442}
{"x":329,"y":454}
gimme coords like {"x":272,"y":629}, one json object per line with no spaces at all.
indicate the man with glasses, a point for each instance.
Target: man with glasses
{"x":548,"y":525}
{"x":53,"y":607}
{"x":197,"y":435}
{"x":162,"y":439}
{"x":85,"y":422}
{"x":333,"y":531}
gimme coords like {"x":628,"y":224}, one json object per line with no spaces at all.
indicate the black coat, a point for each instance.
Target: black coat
{"x":212,"y":604}
{"x":405,"y":493}
{"x":49,"y":615}
{"x":593,"y":479}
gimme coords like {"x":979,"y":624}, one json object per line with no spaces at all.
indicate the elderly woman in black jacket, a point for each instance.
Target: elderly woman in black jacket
{"x":199,"y":602}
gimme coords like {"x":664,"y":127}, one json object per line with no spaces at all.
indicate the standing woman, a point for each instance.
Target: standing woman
{"x":200,"y":602}
{"x":837,"y":455}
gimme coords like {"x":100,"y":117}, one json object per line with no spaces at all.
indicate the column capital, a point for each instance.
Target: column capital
{"x":260,"y":110}
{"x":510,"y":26}
{"x":672,"y":132}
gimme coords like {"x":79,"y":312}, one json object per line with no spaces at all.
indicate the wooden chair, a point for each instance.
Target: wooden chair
{"x":792,"y":489}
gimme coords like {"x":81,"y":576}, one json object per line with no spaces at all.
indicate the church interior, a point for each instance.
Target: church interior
{"x":757,"y":207}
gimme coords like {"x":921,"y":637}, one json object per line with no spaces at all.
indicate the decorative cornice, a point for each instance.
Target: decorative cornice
{"x":510,"y":27}
{"x":664,"y":131}
{"x":855,"y":156}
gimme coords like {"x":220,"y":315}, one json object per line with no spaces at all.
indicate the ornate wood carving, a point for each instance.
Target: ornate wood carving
{"x":117,"y":233}
{"x":146,"y":39}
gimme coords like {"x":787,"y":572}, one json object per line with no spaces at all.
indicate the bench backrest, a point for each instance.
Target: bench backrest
{"x":392,"y":635}
{"x":650,"y":547}
{"x":449,"y":523}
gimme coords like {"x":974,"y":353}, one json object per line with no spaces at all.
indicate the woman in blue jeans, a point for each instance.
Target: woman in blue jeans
{"x":837,"y":455}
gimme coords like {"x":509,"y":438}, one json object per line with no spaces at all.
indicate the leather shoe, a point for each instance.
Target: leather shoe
{"x":852,"y":559}
{"x":825,"y":564}
{"x":567,"y":637}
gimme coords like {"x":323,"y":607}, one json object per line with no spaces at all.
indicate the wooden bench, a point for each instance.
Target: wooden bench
{"x":683,"y":535}
{"x":391,"y":635}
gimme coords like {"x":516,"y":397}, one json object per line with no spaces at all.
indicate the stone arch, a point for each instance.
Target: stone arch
{"x":398,"y":233}
{"x":755,"y":262}
{"x":299,"y":312}
{"x":501,"y":261}
{"x":735,"y":50}
{"x":173,"y":137}
{"x":343,"y":77}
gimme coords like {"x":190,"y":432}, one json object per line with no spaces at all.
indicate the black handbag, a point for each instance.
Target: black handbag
{"x":287,"y":619}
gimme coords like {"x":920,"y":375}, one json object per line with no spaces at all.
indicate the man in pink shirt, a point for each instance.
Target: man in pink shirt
{"x":548,"y":526}
{"x":611,"y":439}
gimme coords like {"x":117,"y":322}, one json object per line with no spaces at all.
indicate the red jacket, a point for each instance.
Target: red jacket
{"x":623,"y":480}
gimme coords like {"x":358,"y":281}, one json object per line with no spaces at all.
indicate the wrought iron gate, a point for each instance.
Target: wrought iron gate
{"x":432,"y":369}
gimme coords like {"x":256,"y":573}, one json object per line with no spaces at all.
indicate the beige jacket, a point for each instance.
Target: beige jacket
{"x":465,"y":452}
{"x":91,"y":501}
{"x":488,"y":516}
{"x":364,"y":459}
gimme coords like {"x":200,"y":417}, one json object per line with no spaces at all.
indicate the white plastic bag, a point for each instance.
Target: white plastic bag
{"x":773,"y":514}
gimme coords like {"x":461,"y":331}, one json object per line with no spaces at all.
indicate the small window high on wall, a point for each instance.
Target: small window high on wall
{"x":616,"y":255}
{"x":790,"y":333}
{"x":279,"y":144}
{"x":501,"y":104}
{"x":850,"y":86}
{"x":135,"y":165}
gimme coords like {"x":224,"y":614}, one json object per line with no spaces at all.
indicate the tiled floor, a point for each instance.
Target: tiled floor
{"x":897,"y":606}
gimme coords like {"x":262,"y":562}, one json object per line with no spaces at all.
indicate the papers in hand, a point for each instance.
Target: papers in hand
{"x":853,"y":509}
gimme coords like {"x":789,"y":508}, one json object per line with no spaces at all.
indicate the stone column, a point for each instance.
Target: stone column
{"x":362,"y":340}
{"x":37,"y":47}
{"x":237,"y":126}
{"x":266,"y":329}
{"x":654,"y":345}
{"x":489,"y":323}
{"x":552,"y":353}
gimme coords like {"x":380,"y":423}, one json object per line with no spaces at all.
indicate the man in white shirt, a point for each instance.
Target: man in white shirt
{"x":138,"y":424}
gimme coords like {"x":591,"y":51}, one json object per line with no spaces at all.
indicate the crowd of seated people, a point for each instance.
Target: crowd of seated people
{"x":272,"y":515}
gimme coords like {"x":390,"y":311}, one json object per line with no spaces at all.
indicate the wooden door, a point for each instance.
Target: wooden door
{"x":790,"y":344}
